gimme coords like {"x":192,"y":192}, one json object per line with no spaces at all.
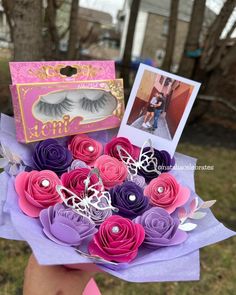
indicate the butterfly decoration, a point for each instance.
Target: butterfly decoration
{"x":95,"y":258}
{"x":94,"y":197}
{"x":12,"y":163}
{"x":146,"y":160}
{"x":195,"y":213}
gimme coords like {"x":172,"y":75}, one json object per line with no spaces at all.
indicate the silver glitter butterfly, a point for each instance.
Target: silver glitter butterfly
{"x":146,"y":160}
{"x":91,"y":199}
{"x":95,"y":258}
{"x":10,"y":162}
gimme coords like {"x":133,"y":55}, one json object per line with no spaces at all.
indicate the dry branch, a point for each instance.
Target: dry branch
{"x":217,"y":99}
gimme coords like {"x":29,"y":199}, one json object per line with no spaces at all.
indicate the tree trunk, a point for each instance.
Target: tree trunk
{"x":127,"y":56}
{"x":205,"y":69}
{"x":27,"y":31}
{"x":221,"y":71}
{"x":215,"y":31}
{"x":51,"y":37}
{"x":187,"y":64}
{"x":74,"y":34}
{"x":170,"y":44}
{"x":92,"y":37}
{"x":8,"y":9}
{"x":220,"y":50}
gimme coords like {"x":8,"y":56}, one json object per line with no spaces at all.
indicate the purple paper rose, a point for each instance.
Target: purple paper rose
{"x":164,"y":163}
{"x":160,"y":229}
{"x":50,"y":155}
{"x":65,"y":227}
{"x":129,"y":199}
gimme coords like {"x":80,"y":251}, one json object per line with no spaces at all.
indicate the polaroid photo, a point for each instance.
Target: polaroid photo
{"x":158,"y":108}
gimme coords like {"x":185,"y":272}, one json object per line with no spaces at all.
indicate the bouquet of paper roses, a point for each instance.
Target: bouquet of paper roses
{"x":96,"y":201}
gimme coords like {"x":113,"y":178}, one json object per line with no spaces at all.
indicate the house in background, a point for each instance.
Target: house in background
{"x":98,"y":37}
{"x":152,"y":28}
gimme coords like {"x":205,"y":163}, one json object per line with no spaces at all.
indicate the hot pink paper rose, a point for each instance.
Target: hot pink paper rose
{"x":165,"y":192}
{"x":112,"y":171}
{"x":37,"y":191}
{"x":117,"y":239}
{"x":74,"y":180}
{"x":111,"y":148}
{"x":85,"y":148}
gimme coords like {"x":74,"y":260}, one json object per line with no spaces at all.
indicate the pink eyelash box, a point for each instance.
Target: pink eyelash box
{"x":61,"y":98}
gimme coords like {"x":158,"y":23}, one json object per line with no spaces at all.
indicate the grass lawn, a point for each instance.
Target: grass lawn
{"x":5,"y":81}
{"x":218,"y":273}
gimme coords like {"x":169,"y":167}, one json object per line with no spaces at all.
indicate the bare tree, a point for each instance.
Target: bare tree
{"x":126,"y":60}
{"x":213,"y":46}
{"x":73,"y":33}
{"x":220,"y":50}
{"x":214,"y":79}
{"x":215,"y":31}
{"x":228,"y":61}
{"x":27,"y":30}
{"x":170,"y":44}
{"x":51,"y":36}
{"x":192,"y":41}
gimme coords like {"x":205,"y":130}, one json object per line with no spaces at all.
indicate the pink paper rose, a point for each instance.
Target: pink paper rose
{"x":111,"y":148}
{"x":165,"y":192}
{"x":117,"y":239}
{"x":37,"y":191}
{"x":74,"y":180}
{"x":112,"y":171}
{"x":85,"y":148}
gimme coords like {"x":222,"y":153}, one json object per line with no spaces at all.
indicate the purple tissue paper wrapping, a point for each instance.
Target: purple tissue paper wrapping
{"x":175,"y":263}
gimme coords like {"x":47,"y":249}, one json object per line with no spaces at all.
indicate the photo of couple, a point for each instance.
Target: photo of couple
{"x":159,"y":104}
{"x":154,"y":109}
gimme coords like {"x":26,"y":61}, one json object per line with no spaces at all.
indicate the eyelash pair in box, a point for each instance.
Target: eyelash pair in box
{"x":56,"y":99}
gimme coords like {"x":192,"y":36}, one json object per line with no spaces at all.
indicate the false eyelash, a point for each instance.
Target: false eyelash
{"x":56,"y":110}
{"x":93,"y":105}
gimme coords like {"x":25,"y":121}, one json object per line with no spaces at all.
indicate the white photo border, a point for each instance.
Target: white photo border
{"x":138,"y":137}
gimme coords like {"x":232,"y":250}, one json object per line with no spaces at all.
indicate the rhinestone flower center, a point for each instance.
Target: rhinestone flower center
{"x":160,"y":189}
{"x":91,"y":148}
{"x":45,"y":183}
{"x":132,"y":198}
{"x":115,"y":229}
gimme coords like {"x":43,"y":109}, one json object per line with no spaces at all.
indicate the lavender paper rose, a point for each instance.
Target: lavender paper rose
{"x":139,"y":180}
{"x":165,"y":163}
{"x":129,"y":199}
{"x":77,"y":164}
{"x":97,"y":215}
{"x":65,"y":227}
{"x":160,"y":229}
{"x":50,"y":155}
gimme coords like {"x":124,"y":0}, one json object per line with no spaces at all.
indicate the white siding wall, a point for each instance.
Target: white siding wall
{"x":126,"y":11}
{"x":139,"y":34}
{"x":140,"y":30}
